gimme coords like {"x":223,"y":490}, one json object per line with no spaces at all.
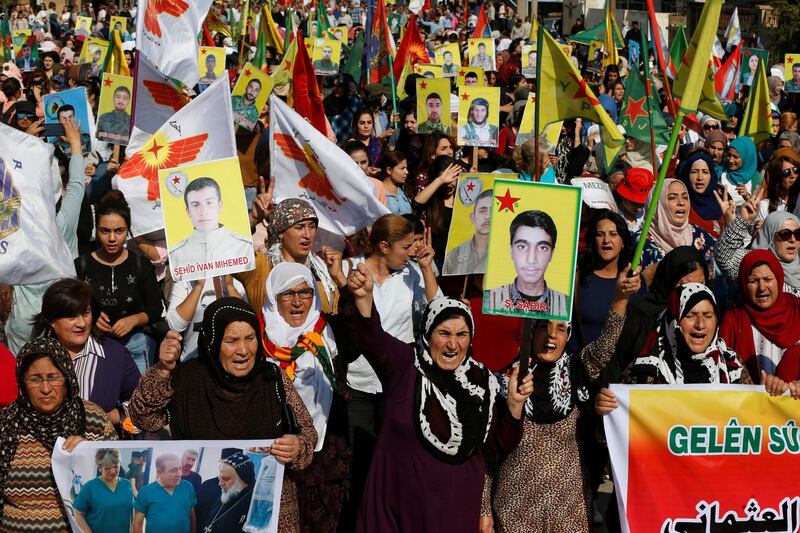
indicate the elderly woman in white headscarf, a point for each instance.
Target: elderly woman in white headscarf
{"x":297,"y":337}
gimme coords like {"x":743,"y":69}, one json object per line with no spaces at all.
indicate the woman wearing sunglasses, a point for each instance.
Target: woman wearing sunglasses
{"x":782,"y":185}
{"x":780,"y":234}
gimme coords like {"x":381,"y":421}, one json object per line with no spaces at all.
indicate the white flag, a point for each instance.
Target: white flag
{"x":166,"y":33}
{"x":32,"y":249}
{"x":201,"y":131}
{"x":733,"y":33}
{"x":305,"y":164}
{"x":156,"y":98}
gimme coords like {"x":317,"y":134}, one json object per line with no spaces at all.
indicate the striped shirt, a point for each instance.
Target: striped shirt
{"x":508,"y":300}
{"x":86,"y":366}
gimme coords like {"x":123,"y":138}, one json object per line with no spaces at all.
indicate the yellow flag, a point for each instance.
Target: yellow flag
{"x":534,"y":30}
{"x":693,"y":71}
{"x":115,"y":62}
{"x":214,"y":23}
{"x":757,"y":120}
{"x":563,"y":94}
{"x":282,"y":75}
{"x":709,"y":101}
{"x":408,"y":68}
{"x":270,"y":29}
{"x":611,"y":57}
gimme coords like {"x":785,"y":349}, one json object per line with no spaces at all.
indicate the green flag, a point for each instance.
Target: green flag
{"x":676,"y":51}
{"x":289,"y":29}
{"x":598,"y":33}
{"x":637,"y":111}
{"x":322,"y":22}
{"x":353,"y":66}
{"x":7,"y":45}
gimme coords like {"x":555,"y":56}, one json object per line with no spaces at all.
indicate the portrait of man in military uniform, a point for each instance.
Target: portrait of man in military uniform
{"x":245,"y":112}
{"x":210,"y":241}
{"x":325,"y":65}
{"x":114,"y":126}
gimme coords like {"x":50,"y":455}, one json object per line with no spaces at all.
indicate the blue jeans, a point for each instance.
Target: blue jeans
{"x":142,"y":349}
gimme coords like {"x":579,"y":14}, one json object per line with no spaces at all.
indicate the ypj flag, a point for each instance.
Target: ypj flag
{"x":166,"y":33}
{"x":199,"y":132}
{"x":306,"y":164}
{"x":757,"y":119}
{"x":563,"y":94}
{"x":31,"y":244}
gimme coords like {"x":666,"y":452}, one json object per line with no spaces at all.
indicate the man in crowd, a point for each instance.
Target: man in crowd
{"x":188,"y":460}
{"x":236,"y":482}
{"x":433,"y":124}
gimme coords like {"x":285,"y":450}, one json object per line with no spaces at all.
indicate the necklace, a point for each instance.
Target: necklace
{"x":217,"y":516}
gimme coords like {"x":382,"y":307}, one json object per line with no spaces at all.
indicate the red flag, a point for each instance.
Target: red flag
{"x":307,"y":98}
{"x":208,"y":40}
{"x":482,"y":28}
{"x":412,"y":48}
{"x":726,"y":78}
{"x":466,"y":13}
{"x":378,"y":53}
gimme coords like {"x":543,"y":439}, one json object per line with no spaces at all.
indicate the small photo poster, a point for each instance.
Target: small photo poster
{"x":471,"y":77}
{"x":533,"y":247}
{"x":449,"y":57}
{"x":70,"y":105}
{"x":567,"y":48}
{"x":468,"y":238}
{"x":481,"y":53}
{"x":326,"y":56}
{"x":394,"y":22}
{"x":791,"y":74}
{"x":18,"y":38}
{"x":93,"y":57}
{"x":529,"y":52}
{"x":211,"y":60}
{"x":340,"y":33}
{"x":478,"y":116}
{"x":119,"y":24}
{"x":114,"y":109}
{"x":205,"y":220}
{"x":429,"y":70}
{"x":433,"y":106}
{"x":249,"y":96}
{"x":83,"y":26}
{"x":750,"y":59}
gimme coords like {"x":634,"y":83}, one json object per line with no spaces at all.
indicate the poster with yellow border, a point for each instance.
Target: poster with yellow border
{"x":118,"y":23}
{"x":340,"y":33}
{"x":471,"y":77}
{"x":449,"y":57}
{"x":428,"y":70}
{"x":481,"y":53}
{"x":326,"y":56}
{"x":114,"y":109}
{"x":478,"y":116}
{"x":83,"y":26}
{"x":529,"y":52}
{"x":211,"y":62}
{"x":205,"y":220}
{"x":249,"y":96}
{"x":433,"y":106}
{"x":90,"y":49}
{"x":567,"y":48}
{"x":18,"y":38}
{"x":533,"y":248}
{"x":791,"y":73}
{"x":468,"y":238}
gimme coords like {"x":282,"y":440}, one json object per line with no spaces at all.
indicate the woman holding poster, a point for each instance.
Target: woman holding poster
{"x":231,"y":392}
{"x":548,"y":466}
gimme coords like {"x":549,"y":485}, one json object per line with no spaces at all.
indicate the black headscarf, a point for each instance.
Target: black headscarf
{"x":210,"y":403}
{"x":22,"y":418}
{"x":452,"y":433}
{"x":645,"y":311}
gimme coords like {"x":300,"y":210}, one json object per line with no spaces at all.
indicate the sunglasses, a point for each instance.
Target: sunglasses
{"x":786,"y":234}
{"x":791,"y":170}
{"x":711,"y":126}
{"x":23,"y":116}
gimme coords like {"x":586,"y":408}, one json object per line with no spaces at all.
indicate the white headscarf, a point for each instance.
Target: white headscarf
{"x":283,"y":277}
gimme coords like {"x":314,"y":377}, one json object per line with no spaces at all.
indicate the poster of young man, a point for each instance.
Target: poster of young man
{"x":119,"y":24}
{"x":478,"y":116}
{"x":205,"y":220}
{"x":449,"y":57}
{"x":70,"y":105}
{"x":215,"y":486}
{"x":433,"y":106}
{"x":93,"y":57}
{"x":533,"y":247}
{"x":250,"y":95}
{"x":340,"y":33}
{"x":481,"y":53}
{"x":83,"y":26}
{"x":529,"y":52}
{"x":750,"y":59}
{"x":18,"y":37}
{"x":471,"y":77}
{"x":211,"y":61}
{"x":468,"y":239}
{"x":326,"y":56}
{"x":428,"y":70}
{"x":791,"y":73}
{"x":114,"y":109}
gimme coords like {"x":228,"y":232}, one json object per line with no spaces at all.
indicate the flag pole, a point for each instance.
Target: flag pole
{"x":394,"y":91}
{"x":651,"y":11}
{"x":539,"y":40}
{"x":662,"y":174}
{"x":649,"y":94}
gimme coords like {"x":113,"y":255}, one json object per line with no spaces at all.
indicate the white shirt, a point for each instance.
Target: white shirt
{"x":315,"y":390}
{"x":732,"y":192}
{"x":763,"y":208}
{"x":191,"y":330}
{"x":400,"y":301}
